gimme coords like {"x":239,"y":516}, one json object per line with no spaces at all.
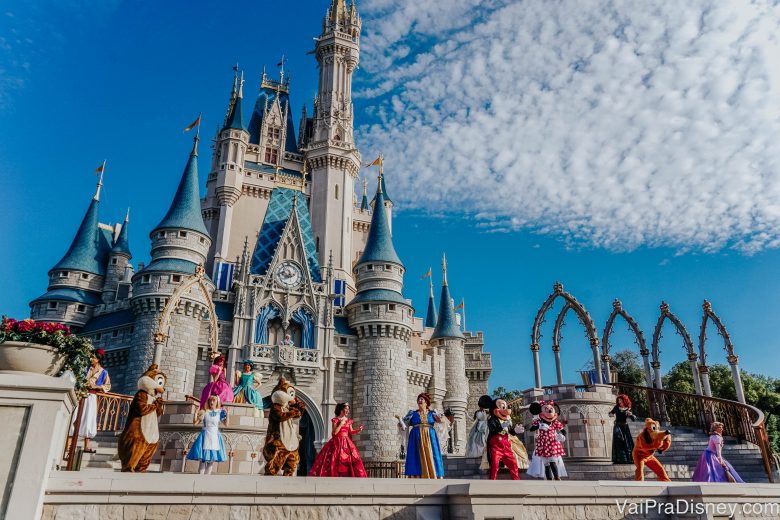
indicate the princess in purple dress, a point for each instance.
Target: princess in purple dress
{"x":218,"y":385}
{"x":712,"y":467}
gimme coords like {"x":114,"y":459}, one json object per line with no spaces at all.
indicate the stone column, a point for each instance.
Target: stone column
{"x":594,"y":345}
{"x":558,"y":370}
{"x":537,"y":369}
{"x":34,"y":420}
{"x":734,"y":363}
{"x":705,"y":379}
{"x":606,"y":359}
{"x":646,"y":363}
{"x":657,"y":371}
{"x":695,"y":371}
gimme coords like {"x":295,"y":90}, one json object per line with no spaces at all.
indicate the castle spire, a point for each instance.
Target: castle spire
{"x":84,"y":252}
{"x":430,"y":317}
{"x":235,"y":118}
{"x":100,"y":170}
{"x":184,"y":212}
{"x":379,"y":244}
{"x":122,"y":244}
{"x":364,"y":202}
{"x":447,"y":325}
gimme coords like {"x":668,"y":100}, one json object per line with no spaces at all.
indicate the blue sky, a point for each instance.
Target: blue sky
{"x":627,"y":151}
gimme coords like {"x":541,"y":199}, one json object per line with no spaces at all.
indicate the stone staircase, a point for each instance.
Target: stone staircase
{"x":105,"y":445}
{"x":688,"y":444}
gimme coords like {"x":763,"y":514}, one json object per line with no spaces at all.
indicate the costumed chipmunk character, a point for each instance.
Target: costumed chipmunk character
{"x":281,"y":440}
{"x":547,"y":461}
{"x":651,"y":439}
{"x":139,"y":439}
{"x":499,"y":445}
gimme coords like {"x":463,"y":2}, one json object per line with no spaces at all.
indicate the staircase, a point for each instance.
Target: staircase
{"x":688,"y":444}
{"x":104,"y":458}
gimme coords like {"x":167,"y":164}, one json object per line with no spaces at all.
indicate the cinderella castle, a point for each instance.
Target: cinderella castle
{"x":287,"y":248}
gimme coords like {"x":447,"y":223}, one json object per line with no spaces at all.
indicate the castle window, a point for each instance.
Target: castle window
{"x":175,"y":278}
{"x":81,"y":308}
{"x":388,"y":267}
{"x":132,"y":329}
{"x":342,"y":341}
{"x":182,"y":234}
{"x":64,"y":274}
{"x":114,"y":333}
{"x":366,"y":307}
{"x":274,"y":134}
{"x":337,"y":192}
{"x":202,"y":240}
{"x":161,"y":234}
{"x":370,"y":267}
{"x":98,"y":336}
{"x":52,"y":305}
{"x":147,"y":278}
{"x":84,"y":276}
{"x":114,"y":261}
{"x":391,"y":307}
{"x":317,"y":245}
{"x":271,"y":155}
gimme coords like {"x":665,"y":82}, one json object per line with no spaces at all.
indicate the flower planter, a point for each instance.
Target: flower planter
{"x":19,"y":356}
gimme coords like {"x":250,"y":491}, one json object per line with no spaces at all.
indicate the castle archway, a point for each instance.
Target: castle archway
{"x":733,"y":359}
{"x":679,"y":328}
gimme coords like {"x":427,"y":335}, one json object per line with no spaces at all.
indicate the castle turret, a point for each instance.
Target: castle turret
{"x":180,"y":243}
{"x":76,"y":281}
{"x":447,"y":335}
{"x":117,"y":268}
{"x":231,"y":147}
{"x":333,"y":159}
{"x":383,"y":320}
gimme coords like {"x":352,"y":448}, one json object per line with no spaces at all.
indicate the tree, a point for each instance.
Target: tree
{"x":629,"y":371}
{"x":507,"y":395}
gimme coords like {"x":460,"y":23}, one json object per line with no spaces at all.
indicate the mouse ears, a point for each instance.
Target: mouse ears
{"x":535,"y":408}
{"x":486,"y":402}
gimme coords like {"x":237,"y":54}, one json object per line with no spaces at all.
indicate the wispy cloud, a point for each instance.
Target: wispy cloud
{"x":613,"y":124}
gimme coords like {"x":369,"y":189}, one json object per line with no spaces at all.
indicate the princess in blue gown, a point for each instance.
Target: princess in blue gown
{"x":423,"y":457}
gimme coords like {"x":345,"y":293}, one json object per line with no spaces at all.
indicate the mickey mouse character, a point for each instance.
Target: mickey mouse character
{"x":549,"y":435}
{"x":498,"y":444}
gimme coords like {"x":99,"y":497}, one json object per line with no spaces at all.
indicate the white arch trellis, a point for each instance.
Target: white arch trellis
{"x":639,"y":339}
{"x":584,"y":318}
{"x":733,"y":359}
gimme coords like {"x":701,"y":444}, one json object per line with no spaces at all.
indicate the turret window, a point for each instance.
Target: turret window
{"x":182,"y":234}
{"x":161,"y":234}
{"x":391,"y":307}
{"x":342,"y":341}
{"x":81,"y":308}
{"x":64,"y":274}
{"x":366,"y":307}
{"x":52,"y":305}
{"x":114,"y":261}
{"x":147,"y":278}
{"x":176,"y":278}
{"x":84,"y":276}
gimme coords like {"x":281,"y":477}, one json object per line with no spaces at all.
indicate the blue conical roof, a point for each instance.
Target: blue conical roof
{"x":184,"y":212}
{"x":236,"y":118}
{"x":430,"y":318}
{"x":379,"y":245}
{"x":364,"y":203}
{"x":122,"y":244}
{"x":447,"y":325}
{"x":85,"y":252}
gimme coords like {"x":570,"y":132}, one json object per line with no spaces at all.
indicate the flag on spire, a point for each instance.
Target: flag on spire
{"x":427,"y":275}
{"x":100,"y":168}
{"x":193,"y":125}
{"x":376,"y":162}
{"x":462,"y":302}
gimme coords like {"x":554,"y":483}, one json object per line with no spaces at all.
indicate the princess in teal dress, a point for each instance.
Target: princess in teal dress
{"x":246,"y":382}
{"x":423,"y":456}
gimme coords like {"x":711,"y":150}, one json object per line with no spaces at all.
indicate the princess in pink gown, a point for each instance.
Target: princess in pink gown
{"x":218,"y":385}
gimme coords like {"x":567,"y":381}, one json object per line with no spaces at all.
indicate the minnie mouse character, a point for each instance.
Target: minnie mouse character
{"x":498,"y":444}
{"x":549,"y":435}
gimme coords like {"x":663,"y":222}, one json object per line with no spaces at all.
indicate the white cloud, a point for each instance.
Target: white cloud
{"x":614,"y":124}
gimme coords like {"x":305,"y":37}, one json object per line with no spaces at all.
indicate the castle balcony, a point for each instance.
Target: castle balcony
{"x":303,"y":362}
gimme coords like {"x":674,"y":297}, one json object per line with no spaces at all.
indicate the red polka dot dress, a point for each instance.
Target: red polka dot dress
{"x":546,"y":443}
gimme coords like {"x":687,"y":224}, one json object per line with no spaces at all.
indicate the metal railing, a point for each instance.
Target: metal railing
{"x":112,"y":410}
{"x":393,"y":469}
{"x":742,"y":421}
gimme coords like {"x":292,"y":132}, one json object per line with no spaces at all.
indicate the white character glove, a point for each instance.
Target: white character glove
{"x":519,"y":428}
{"x":560,"y":437}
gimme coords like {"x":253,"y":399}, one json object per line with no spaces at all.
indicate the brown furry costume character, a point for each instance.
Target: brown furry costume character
{"x":281,"y":440}
{"x":139,"y":439}
{"x":650,"y":440}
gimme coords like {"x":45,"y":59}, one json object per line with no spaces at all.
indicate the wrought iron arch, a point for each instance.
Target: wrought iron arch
{"x":666,"y":314}
{"x":639,"y":339}
{"x":733,"y":359}
{"x":585,"y":319}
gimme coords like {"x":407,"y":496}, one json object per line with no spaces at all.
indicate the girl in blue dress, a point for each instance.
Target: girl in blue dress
{"x":423,"y":456}
{"x":209,"y":448}
{"x":246,"y":384}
